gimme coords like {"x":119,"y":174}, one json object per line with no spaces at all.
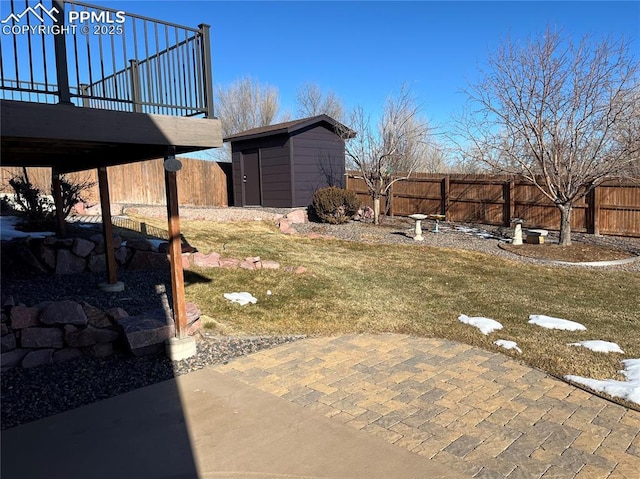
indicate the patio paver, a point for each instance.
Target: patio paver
{"x":479,"y":412}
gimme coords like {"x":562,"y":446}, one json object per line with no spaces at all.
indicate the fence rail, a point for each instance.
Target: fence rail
{"x":611,"y":208}
{"x":98,"y":57}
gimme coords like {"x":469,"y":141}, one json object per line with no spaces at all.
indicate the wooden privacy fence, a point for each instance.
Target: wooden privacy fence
{"x":200,"y":183}
{"x":611,"y":208}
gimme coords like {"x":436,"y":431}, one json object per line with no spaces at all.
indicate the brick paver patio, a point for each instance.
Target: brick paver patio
{"x":482,"y":413}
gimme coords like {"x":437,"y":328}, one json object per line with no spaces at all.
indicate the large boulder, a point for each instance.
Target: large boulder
{"x":22,"y":317}
{"x":42,"y":338}
{"x":38,"y":358}
{"x":146,"y":333}
{"x":63,"y":312}
{"x":82,"y":247}
{"x":69,"y":263}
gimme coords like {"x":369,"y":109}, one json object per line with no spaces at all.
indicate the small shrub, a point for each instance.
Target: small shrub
{"x":335,"y":205}
{"x":34,"y":207}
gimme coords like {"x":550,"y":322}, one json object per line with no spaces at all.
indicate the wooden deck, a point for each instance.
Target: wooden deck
{"x":72,"y":138}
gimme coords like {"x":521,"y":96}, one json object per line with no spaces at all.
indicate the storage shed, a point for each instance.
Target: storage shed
{"x":282,"y":165}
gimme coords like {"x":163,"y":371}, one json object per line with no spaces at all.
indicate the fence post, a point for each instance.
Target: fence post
{"x":509,"y":209}
{"x":136,"y":92}
{"x":390,"y":193}
{"x":60,"y":47}
{"x":444,"y":197}
{"x":593,"y":202}
{"x":208,"y":75}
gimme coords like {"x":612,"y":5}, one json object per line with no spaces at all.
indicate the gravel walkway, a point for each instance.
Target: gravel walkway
{"x":32,"y":394}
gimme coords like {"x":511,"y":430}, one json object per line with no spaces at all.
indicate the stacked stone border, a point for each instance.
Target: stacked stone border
{"x":56,"y":331}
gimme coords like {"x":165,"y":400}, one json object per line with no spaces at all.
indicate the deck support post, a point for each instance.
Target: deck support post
{"x":175,"y":244}
{"x":107,"y":232}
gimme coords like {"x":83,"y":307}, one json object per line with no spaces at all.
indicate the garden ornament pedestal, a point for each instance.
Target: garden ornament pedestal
{"x":517,"y":231}
{"x":418,"y":219}
{"x":438,"y":219}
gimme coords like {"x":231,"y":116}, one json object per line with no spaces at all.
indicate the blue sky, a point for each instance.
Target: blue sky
{"x":364,"y":51}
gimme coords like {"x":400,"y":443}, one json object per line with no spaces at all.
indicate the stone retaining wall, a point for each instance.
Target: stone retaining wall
{"x":61,"y":330}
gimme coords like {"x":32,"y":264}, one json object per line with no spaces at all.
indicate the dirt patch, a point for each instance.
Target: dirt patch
{"x":576,"y":253}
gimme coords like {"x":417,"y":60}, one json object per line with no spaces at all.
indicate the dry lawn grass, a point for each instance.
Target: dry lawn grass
{"x":354,"y":287}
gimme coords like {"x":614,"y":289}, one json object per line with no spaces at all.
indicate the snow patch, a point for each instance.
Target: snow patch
{"x":550,"y":322}
{"x":241,"y":298}
{"x":503,"y":343}
{"x":599,"y":346}
{"x":8,"y":230}
{"x":629,"y":389}
{"x":485,"y":325}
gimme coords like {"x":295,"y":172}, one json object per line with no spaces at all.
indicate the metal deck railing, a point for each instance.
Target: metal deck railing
{"x":71,"y":52}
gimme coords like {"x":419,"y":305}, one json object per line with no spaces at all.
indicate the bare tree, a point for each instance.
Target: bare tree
{"x":564,"y":116}
{"x":312,"y":102}
{"x":246,"y":104}
{"x":243,"y":105}
{"x":388,"y":148}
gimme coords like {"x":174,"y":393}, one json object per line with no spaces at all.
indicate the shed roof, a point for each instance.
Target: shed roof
{"x":290,"y":127}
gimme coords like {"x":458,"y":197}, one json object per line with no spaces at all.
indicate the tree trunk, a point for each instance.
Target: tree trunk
{"x":565,"y":224}
{"x":376,"y":210}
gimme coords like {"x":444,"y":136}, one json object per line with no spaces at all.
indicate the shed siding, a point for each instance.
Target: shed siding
{"x":276,"y":186}
{"x":236,"y":174}
{"x":318,"y":162}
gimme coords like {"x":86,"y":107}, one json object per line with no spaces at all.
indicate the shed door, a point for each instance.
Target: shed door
{"x":251,"y":178}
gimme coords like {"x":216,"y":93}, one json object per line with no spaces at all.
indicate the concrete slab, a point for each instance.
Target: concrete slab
{"x":204,"y":425}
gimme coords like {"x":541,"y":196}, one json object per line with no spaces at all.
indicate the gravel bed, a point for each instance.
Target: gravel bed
{"x":31,"y":394}
{"x":472,"y":237}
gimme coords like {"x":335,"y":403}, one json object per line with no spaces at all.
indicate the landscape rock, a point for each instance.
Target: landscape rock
{"x":13,"y":358}
{"x":48,"y":256}
{"x":82,"y":337}
{"x":247,"y":265}
{"x":300,"y":270}
{"x":122,"y":254}
{"x":50,"y":241}
{"x":116,"y":314}
{"x":297,"y":216}
{"x":194,"y":327}
{"x":211,"y":260}
{"x":8,"y":301}
{"x":38,"y":358}
{"x":146,"y":333}
{"x":97,"y":263}
{"x":148,"y":260}
{"x":185,"y":261}
{"x":270,"y":264}
{"x":69,"y":263}
{"x":100,"y":350}
{"x":8,"y":343}
{"x":63,"y":312}
{"x":193,"y":312}
{"x":23,"y":317}
{"x":140,"y":245}
{"x":27,"y":257}
{"x":4,"y":328}
{"x":229,"y":262}
{"x":82,"y":247}
{"x":42,"y":338}
{"x":95,"y":316}
{"x":66,"y":354}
